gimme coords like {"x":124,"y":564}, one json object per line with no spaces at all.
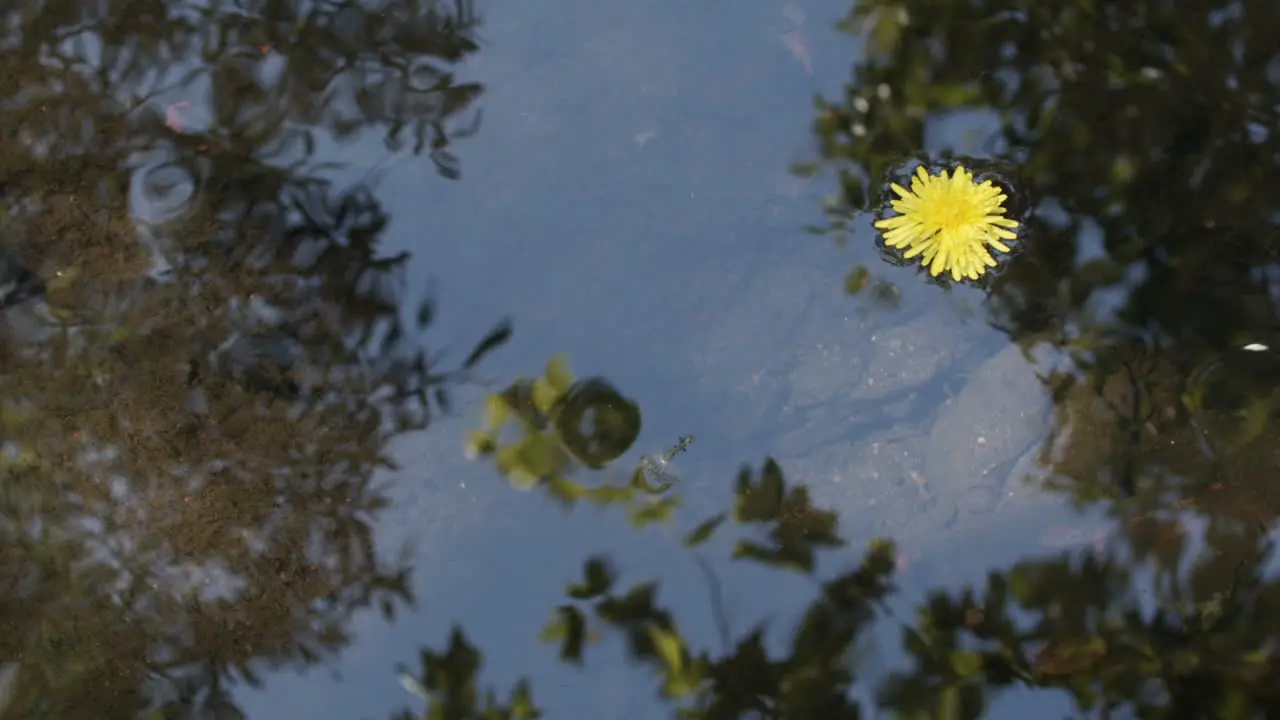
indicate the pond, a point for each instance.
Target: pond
{"x":344,"y":341}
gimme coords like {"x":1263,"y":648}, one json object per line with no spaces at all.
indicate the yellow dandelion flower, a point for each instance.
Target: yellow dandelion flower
{"x":949,"y":221}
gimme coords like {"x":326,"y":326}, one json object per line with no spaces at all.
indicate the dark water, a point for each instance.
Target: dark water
{"x":267,"y":266}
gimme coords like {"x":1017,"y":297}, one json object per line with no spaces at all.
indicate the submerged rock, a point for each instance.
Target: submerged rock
{"x":909,"y":422}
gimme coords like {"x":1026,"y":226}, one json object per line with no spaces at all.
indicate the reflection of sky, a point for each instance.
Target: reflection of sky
{"x":628,"y":153}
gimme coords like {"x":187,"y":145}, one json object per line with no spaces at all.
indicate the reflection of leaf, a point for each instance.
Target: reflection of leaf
{"x":426,"y":313}
{"x":447,"y":164}
{"x":669,"y":649}
{"x":790,"y":558}
{"x":658,"y":511}
{"x":480,"y":443}
{"x":949,"y":704}
{"x":495,"y":339}
{"x":568,"y":628}
{"x":442,"y":399}
{"x":966,"y":664}
{"x":598,"y":581}
{"x":565,"y":490}
{"x":1254,"y":418}
{"x":541,"y":455}
{"x":857,"y":279}
{"x":1068,"y":657}
{"x":544,"y":396}
{"x":1023,"y":583}
{"x":522,"y":707}
{"x":759,"y":501}
{"x":511,"y":463}
{"x":704,"y":531}
{"x":496,"y":412}
{"x":558,"y":374}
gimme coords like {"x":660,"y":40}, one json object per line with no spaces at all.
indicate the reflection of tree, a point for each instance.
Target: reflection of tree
{"x":1148,"y":133}
{"x":274,"y":75}
{"x":1140,"y":142}
{"x":195,"y":405}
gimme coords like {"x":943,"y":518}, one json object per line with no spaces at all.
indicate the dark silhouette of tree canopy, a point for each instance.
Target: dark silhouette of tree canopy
{"x":1151,"y":128}
{"x":202,"y":351}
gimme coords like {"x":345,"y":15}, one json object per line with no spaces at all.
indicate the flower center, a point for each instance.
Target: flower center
{"x":950,"y":213}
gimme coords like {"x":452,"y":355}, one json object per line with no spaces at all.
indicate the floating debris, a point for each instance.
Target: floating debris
{"x":657,"y":469}
{"x":950,"y":220}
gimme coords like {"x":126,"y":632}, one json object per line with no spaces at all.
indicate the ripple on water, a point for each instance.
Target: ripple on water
{"x":162,"y":191}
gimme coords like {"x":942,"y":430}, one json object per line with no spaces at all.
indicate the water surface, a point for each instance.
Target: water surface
{"x":242,"y":254}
